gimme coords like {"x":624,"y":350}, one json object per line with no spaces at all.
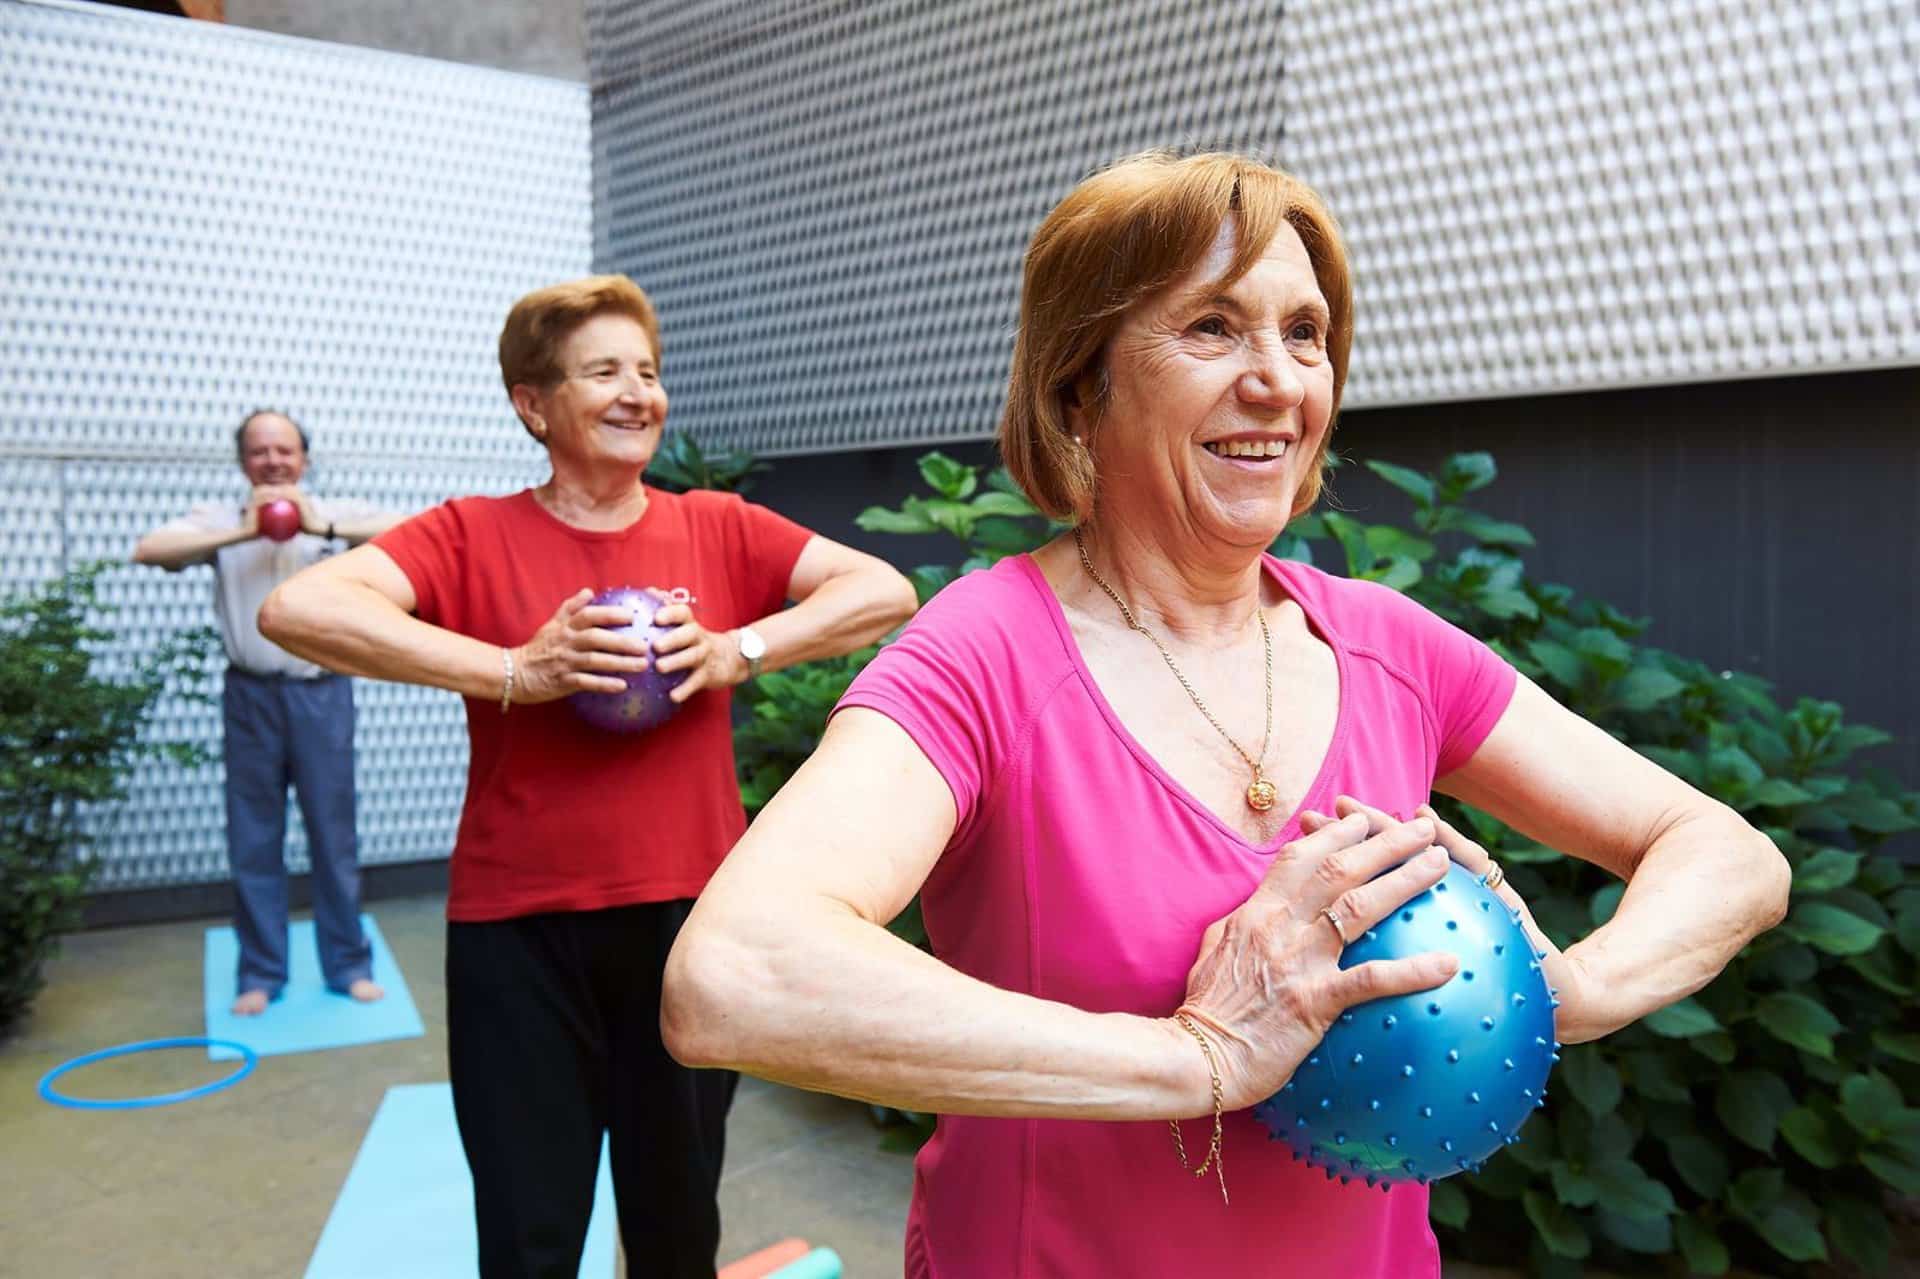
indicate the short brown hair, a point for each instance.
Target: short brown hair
{"x":539,"y":322}
{"x":1119,"y":237}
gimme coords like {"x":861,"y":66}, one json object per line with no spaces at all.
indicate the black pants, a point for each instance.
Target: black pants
{"x":553,"y":1037}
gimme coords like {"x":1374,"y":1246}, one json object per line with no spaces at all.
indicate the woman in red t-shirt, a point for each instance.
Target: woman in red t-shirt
{"x":579,"y":851}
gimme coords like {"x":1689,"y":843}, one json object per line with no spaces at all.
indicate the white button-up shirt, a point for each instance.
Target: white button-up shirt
{"x":246,"y":572}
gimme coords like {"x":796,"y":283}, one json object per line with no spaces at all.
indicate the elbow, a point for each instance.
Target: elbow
{"x":1760,"y":870}
{"x":279,"y":616}
{"x":899,"y":598}
{"x":1774,"y":877}
{"x":696,"y":1015}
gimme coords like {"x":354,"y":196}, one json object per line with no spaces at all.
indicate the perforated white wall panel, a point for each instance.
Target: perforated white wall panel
{"x":830,"y":200}
{"x":200,"y":220}
{"x":1559,"y":196}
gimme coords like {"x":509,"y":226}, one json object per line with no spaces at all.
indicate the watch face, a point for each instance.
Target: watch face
{"x":752,"y":647}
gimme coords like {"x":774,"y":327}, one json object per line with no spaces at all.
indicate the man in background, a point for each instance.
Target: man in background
{"x":285,"y":720}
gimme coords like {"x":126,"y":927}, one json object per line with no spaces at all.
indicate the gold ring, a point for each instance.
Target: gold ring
{"x":1332,"y":916}
{"x":1495,"y":875}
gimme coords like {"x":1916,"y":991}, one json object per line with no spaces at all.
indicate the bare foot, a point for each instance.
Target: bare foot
{"x":366,"y":990}
{"x":250,"y":1004}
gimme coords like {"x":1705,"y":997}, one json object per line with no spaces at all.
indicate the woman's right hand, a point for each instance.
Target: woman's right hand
{"x":1267,"y":984}
{"x":574,"y":652}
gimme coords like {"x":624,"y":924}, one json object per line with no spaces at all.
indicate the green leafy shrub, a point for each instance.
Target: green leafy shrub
{"x":991,"y":523}
{"x":1766,"y":1120}
{"x":679,"y":464}
{"x":68,"y":734}
{"x":781,"y":715}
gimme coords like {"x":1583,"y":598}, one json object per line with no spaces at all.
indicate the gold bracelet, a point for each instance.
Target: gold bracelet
{"x":1213,"y":1151}
{"x":506,"y":685}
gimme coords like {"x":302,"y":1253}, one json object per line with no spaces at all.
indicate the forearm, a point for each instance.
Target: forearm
{"x":843,"y":614}
{"x":175,"y":549}
{"x":1704,"y":889}
{"x":351,"y":628}
{"x":826,"y":1000}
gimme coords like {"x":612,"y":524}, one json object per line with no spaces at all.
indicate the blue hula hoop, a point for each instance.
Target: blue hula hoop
{"x":249,"y":1059}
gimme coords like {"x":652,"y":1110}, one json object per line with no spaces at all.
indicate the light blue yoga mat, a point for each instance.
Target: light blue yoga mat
{"x":406,"y":1211}
{"x":307,"y":1016}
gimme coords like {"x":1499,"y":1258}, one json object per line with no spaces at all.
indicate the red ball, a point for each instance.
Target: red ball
{"x":279,"y":519}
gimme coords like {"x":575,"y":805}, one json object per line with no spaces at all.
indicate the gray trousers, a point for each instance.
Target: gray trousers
{"x":281,"y":731}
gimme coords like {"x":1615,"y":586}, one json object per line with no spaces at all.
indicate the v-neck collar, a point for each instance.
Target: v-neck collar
{"x":1323,"y":778}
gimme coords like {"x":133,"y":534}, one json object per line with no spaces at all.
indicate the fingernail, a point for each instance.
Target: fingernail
{"x":1423,"y":828}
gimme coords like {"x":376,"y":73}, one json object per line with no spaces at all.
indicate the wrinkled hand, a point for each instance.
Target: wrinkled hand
{"x":711,"y":660}
{"x":1577,"y":1017}
{"x":574,"y":652}
{"x":1268,"y":984}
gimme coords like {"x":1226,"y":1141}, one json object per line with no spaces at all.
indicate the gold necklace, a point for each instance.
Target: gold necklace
{"x":1260,"y":792}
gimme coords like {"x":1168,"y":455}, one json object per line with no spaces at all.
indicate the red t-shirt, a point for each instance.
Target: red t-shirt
{"x":560,"y":815}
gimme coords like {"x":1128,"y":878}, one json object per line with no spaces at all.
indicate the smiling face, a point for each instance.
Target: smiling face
{"x":1217,"y":400}
{"x":271,"y":451}
{"x":608,"y":408}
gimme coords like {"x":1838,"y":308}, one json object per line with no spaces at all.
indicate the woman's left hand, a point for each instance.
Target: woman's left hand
{"x":710,"y":660}
{"x":1576,"y":1019}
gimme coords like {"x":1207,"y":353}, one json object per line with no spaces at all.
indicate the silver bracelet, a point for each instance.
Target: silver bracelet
{"x":506,"y":685}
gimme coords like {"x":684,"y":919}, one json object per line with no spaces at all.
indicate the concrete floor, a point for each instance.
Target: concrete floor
{"x":239,"y":1184}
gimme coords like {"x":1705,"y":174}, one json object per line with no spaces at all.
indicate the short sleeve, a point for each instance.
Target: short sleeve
{"x":348,"y":510}
{"x":205,"y":517}
{"x":1468,"y":686}
{"x":768,"y":545}
{"x":956,"y":684}
{"x":429,"y":548}
{"x":1463,"y":686}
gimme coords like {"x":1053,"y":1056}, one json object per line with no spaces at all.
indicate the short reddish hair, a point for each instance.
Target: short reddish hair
{"x":543,"y":319}
{"x":1118,"y":238}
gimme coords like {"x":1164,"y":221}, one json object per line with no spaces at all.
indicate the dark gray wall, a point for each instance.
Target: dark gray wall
{"x":1767,"y":526}
{"x":829,"y":202}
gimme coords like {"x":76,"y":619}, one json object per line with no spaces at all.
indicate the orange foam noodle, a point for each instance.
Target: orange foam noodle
{"x":766,"y":1261}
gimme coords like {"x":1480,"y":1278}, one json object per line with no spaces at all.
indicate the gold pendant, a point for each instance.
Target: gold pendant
{"x":1260,"y":795}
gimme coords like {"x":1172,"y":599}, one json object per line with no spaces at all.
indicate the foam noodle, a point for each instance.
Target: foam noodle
{"x":821,"y":1263}
{"x":766,"y":1261}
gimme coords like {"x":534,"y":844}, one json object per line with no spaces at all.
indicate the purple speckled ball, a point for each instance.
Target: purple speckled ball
{"x":645,"y":704}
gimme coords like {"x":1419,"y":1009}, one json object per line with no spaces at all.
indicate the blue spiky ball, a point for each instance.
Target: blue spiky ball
{"x":1418,"y":1087}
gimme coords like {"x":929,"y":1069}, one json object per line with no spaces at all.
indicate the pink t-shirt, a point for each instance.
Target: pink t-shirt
{"x":1080,"y":871}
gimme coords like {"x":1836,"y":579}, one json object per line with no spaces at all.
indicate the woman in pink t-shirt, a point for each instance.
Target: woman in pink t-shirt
{"x":1125,"y":772}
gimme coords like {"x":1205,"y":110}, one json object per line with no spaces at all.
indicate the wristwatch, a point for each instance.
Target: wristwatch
{"x":752,"y":648}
